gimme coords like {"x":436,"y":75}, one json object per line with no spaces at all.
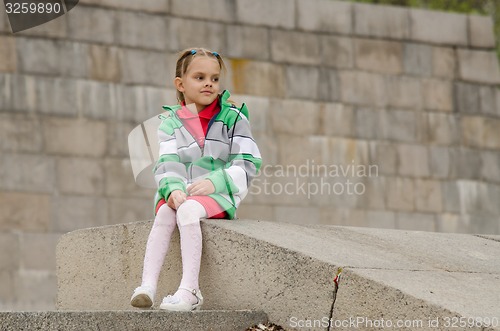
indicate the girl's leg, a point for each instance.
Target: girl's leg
{"x":157,"y":246}
{"x":188,"y":220}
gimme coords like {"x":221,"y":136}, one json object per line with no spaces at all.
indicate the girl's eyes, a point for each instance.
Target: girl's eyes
{"x":201,"y":78}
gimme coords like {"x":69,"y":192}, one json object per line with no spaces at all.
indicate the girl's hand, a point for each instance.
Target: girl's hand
{"x":201,"y":187}
{"x":175,"y":199}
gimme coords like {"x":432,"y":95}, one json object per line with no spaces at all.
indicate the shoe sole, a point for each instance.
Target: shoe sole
{"x":142,"y":301}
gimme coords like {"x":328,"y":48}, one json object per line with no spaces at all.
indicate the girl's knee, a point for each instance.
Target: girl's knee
{"x":165,"y":215}
{"x":190,"y":212}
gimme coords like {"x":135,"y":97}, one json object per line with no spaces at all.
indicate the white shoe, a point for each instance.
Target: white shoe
{"x":179,"y":304}
{"x":143,"y":297}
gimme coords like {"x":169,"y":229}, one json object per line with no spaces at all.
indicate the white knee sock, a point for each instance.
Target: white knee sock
{"x":188,"y":220}
{"x":157,"y":246}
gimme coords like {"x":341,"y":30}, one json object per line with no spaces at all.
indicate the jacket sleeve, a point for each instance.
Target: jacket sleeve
{"x":170,"y":174}
{"x":244,"y":160}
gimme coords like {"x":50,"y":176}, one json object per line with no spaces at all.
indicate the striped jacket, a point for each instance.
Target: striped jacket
{"x":230,"y":157}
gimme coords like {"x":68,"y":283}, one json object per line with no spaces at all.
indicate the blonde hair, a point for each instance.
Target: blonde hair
{"x":185,"y":58}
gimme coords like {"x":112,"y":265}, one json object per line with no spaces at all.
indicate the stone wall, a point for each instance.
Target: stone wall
{"x":332,"y":86}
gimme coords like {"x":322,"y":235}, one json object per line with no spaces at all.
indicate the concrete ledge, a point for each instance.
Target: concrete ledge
{"x":131,"y":320}
{"x":287,"y":271}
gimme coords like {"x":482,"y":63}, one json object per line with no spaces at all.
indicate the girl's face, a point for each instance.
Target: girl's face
{"x":200,"y":83}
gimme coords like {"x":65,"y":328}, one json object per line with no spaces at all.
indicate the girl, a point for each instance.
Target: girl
{"x":207,"y":159}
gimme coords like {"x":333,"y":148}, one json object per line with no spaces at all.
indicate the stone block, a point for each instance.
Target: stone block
{"x":439,"y":162}
{"x":336,"y":119}
{"x":136,"y":67}
{"x":9,"y":251}
{"x":400,"y":126}
{"x":438,"y":27}
{"x":60,"y":57}
{"x":413,"y":160}
{"x":379,"y":56}
{"x":381,"y":219}
{"x":443,"y":62}
{"x":388,"y":22}
{"x":295,"y":47}
{"x":22,"y":93}
{"x":258,"y":78}
{"x":38,"y":251}
{"x":27,"y":172}
{"x":337,"y":51}
{"x":125,"y":210}
{"x":259,"y":111}
{"x":346,"y":155}
{"x":296,"y":150}
{"x":141,"y":30}
{"x":258,"y":212}
{"x":452,"y":223}
{"x":20,"y":133}
{"x":369,"y":123}
{"x":36,"y":290}
{"x":385,"y":156}
{"x":155,"y":6}
{"x":218,"y":10}
{"x":78,"y":212}
{"x":400,"y":194}
{"x":329,"y":87}
{"x":324,"y":16}
{"x":428,"y":196}
{"x":76,"y":138}
{"x":117,"y":138}
{"x":336,"y":190}
{"x":8,"y":61}
{"x":277,"y":14}
{"x":437,"y":94}
{"x":56,"y":28}
{"x":184,"y":33}
{"x":57,"y":96}
{"x":268,"y":147}
{"x":416,"y":221}
{"x":284,"y":185}
{"x":92,"y":24}
{"x":4,"y":22}
{"x":473,"y":131}
{"x":104,"y":63}
{"x":302,"y":82}
{"x":465,"y":163}
{"x":249,"y":42}
{"x":491,"y":133}
{"x":467,"y":98}
{"x":5,"y":91}
{"x":343,"y":217}
{"x":481,"y":224}
{"x":17,"y":215}
{"x":451,"y":197}
{"x":487,"y":100}
{"x":417,"y":59}
{"x":119,"y":180}
{"x":490,"y":171}
{"x":295,"y":117}
{"x":97,"y":100}
{"x":481,"y":31}
{"x":404,"y":92}
{"x":478,"y":66}
{"x":374,"y":197}
{"x":7,"y":290}
{"x":362,"y":88}
{"x":472,"y":196}
{"x":297,"y":215}
{"x":80,"y":176}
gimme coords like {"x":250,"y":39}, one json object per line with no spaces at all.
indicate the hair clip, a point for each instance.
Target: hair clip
{"x":215,"y":54}
{"x":193,"y":51}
